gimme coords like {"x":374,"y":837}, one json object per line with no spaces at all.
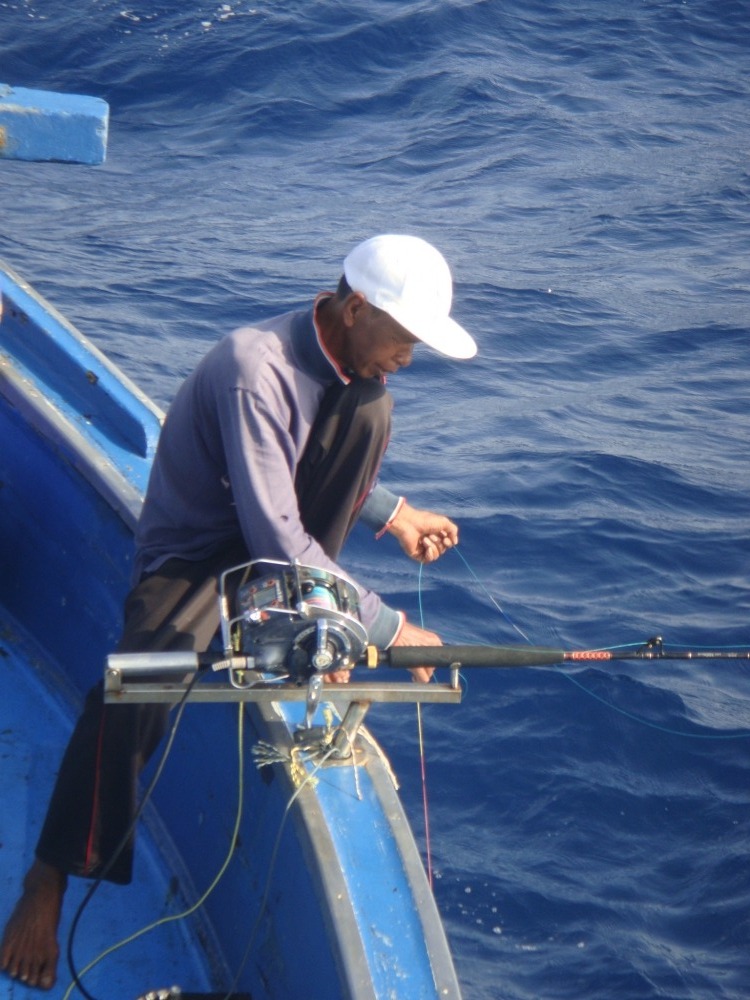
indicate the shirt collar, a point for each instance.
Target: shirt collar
{"x":340,"y":373}
{"x":310,"y":350}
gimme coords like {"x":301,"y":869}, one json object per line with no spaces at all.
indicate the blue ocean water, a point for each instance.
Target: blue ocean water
{"x":583,"y":165}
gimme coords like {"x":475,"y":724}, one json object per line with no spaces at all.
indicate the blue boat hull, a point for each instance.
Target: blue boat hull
{"x":324,"y":895}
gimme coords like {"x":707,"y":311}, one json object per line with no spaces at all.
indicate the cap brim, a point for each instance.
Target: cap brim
{"x":444,"y":335}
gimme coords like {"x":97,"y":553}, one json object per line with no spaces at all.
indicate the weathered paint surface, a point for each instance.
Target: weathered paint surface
{"x":43,"y":125}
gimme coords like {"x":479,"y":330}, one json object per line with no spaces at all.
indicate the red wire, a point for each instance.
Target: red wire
{"x":425,"y":806}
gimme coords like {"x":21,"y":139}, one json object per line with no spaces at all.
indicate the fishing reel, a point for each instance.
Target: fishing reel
{"x":289,"y":620}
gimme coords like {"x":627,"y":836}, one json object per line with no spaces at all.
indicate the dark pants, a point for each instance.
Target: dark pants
{"x":176,"y":608}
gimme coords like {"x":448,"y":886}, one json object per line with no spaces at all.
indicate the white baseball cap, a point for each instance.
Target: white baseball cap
{"x":411,"y":281}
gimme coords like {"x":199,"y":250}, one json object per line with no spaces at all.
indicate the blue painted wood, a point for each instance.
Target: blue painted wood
{"x":44,"y":125}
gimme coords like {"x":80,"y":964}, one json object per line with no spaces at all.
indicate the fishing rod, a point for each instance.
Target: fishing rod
{"x":534,"y":656}
{"x":405,"y":657}
{"x":297,"y":620}
{"x":286,"y":626}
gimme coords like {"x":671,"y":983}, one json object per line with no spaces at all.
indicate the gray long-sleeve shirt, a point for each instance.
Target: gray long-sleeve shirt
{"x":228,"y":454}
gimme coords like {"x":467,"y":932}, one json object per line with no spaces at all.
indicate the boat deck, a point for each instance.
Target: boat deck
{"x":36,"y":715}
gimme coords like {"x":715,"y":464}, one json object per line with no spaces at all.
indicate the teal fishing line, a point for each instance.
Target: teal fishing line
{"x":463,"y":679}
{"x":497,"y":607}
{"x":655,"y":725}
{"x":608,"y":704}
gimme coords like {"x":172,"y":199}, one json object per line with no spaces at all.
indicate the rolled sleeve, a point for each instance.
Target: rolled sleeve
{"x":379,"y":508}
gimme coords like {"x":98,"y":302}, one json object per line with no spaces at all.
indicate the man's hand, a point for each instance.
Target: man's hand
{"x":422,"y":535}
{"x":412,"y":635}
{"x":337,"y":677}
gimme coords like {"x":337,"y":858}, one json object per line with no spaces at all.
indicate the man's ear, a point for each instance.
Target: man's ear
{"x":353,"y":305}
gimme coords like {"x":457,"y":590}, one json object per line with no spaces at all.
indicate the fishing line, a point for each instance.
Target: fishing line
{"x":654,"y":725}
{"x":271,"y":867}
{"x":217,"y":878}
{"x":422,"y":756}
{"x":202,"y":899}
{"x":629,"y":715}
{"x":425,"y":804}
{"x":495,"y":604}
{"x":122,"y":844}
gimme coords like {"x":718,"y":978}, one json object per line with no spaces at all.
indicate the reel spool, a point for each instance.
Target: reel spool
{"x":291,"y":620}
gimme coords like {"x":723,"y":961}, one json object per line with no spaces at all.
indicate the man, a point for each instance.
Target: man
{"x":271,"y":449}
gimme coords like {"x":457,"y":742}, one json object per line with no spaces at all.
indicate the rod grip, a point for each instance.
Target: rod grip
{"x":471,"y":656}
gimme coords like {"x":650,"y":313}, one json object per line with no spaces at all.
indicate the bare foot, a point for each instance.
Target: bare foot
{"x":29,"y":949}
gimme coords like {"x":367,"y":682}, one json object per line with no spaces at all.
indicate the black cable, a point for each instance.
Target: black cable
{"x":125,"y":838}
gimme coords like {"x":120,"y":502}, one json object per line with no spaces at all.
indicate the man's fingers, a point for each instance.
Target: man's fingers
{"x":433,"y":546}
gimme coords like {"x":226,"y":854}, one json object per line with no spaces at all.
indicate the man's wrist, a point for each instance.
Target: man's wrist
{"x":389,"y":523}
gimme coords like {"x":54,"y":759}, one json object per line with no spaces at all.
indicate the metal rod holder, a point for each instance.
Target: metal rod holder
{"x":165,"y":677}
